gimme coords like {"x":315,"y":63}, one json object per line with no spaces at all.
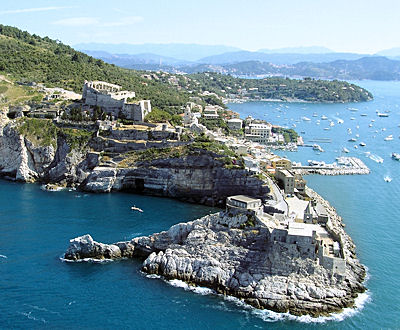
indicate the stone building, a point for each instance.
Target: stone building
{"x":111,"y":99}
{"x":234,"y":123}
{"x":244,"y":203}
{"x":258,"y":132}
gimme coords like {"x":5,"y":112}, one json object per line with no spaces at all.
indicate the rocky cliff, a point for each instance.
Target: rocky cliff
{"x":200,"y":177}
{"x":232,"y":256}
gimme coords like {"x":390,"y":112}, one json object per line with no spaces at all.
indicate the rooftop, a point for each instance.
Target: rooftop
{"x":244,"y":198}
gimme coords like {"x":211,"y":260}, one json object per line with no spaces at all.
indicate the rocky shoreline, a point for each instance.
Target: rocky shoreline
{"x":235,"y":255}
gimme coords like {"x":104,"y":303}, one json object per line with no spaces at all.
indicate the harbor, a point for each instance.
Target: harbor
{"x":343,"y":166}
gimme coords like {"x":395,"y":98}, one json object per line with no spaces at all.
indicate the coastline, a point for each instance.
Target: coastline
{"x":175,"y":254}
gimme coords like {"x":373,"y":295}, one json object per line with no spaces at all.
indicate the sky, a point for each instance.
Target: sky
{"x":361,"y":26}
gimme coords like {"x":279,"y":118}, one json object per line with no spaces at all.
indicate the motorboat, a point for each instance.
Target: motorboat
{"x":387,"y":178}
{"x":389,"y":138}
{"x":380,"y":114}
{"x":352,"y":140}
{"x":317,"y":147}
{"x":345,"y":150}
{"x":395,"y":156}
{"x":305,"y":118}
{"x":134,"y":208}
{"x":323,"y":117}
{"x":362,"y":144}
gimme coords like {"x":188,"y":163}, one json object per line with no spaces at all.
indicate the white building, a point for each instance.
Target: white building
{"x":235,"y":123}
{"x":258,"y":132}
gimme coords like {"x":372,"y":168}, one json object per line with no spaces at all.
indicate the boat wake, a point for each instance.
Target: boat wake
{"x":89,"y":260}
{"x":374,"y":157}
{"x":3,"y":256}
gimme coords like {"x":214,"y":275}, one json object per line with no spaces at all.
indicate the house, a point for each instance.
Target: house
{"x":234,"y":123}
{"x":244,"y":203}
{"x":258,"y":132}
{"x":287,"y":180}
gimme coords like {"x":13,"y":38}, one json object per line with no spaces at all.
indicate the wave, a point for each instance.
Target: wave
{"x":90,"y":260}
{"x":3,"y":256}
{"x":31,"y":317}
{"x":271,"y":316}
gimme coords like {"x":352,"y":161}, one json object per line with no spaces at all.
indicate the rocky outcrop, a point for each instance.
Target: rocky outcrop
{"x":196,"y":178}
{"x":225,"y":253}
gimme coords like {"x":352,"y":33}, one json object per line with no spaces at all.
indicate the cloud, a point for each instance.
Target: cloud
{"x":77,"y":21}
{"x":124,"y":21}
{"x":90,"y":21}
{"x":30,"y":10}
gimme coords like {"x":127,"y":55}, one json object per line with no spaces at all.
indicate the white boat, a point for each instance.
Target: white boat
{"x":315,"y":114}
{"x":340,"y":121}
{"x":349,"y":130}
{"x":305,"y":118}
{"x":389,"y":138}
{"x":387,"y":178}
{"x":370,"y":125}
{"x":352,"y":118}
{"x":380,"y":114}
{"x":317,"y":147}
{"x":345,"y":150}
{"x":356,"y":147}
{"x":352,"y":140}
{"x":395,"y":156}
{"x":327,"y":128}
{"x":357,"y":135}
{"x":332,"y":124}
{"x":362,"y":144}
{"x":323,"y":117}
{"x":353,"y":109}
{"x":134,"y":208}
{"x":364,"y":115}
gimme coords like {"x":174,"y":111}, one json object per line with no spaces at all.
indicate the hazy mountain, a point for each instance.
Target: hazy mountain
{"x":284,"y":58}
{"x":392,"y":52}
{"x":127,"y":60}
{"x":297,"y":50}
{"x":186,"y":52}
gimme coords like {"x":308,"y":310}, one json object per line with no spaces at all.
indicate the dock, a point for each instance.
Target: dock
{"x":354,"y":166}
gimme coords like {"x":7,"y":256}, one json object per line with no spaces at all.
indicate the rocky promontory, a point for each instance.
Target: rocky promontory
{"x":236,"y":255}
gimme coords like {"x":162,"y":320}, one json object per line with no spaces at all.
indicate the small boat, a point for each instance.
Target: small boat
{"x":317,"y":147}
{"x":356,"y":147}
{"x":353,"y":109}
{"x":372,"y":120}
{"x":389,"y":138}
{"x":352,"y":118}
{"x":340,"y":121}
{"x":370,"y":125}
{"x":380,"y":114}
{"x":305,"y":118}
{"x":352,"y":140}
{"x":362,"y":144}
{"x":134,"y":208}
{"x":357,"y":135}
{"x":395,"y":156}
{"x":364,"y":115}
{"x":387,"y":178}
{"x":315,"y":114}
{"x":331,"y":124}
{"x":383,"y":129}
{"x":327,"y":128}
{"x":345,"y":150}
{"x":323,"y":117}
{"x":349,"y":130}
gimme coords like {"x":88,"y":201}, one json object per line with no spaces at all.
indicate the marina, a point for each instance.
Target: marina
{"x":343,"y":166}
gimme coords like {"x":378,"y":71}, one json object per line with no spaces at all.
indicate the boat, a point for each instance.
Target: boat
{"x":389,"y":138}
{"x":323,"y":117}
{"x":134,"y":208}
{"x":353,"y":109}
{"x":370,"y":125}
{"x":362,"y":144}
{"x":317,"y":147}
{"x":316,"y":163}
{"x":395,"y":156}
{"x":345,"y":150}
{"x":315,"y":114}
{"x":305,"y":118}
{"x":352,"y":118}
{"x":349,"y":130}
{"x":356,"y":147}
{"x":340,"y":121}
{"x":331,"y":124}
{"x":387,"y":178}
{"x":327,"y":128}
{"x":364,"y":115}
{"x":380,"y":114}
{"x":352,"y":140}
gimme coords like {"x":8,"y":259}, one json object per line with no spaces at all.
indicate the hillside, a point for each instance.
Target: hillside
{"x":32,"y":58}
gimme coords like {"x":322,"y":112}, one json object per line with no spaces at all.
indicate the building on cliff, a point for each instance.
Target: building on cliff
{"x":113,"y":100}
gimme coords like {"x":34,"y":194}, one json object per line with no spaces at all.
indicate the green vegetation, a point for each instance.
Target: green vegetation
{"x":32,"y":58}
{"x":43,"y":132}
{"x":285,"y":89}
{"x":76,"y":138}
{"x":12,"y":94}
{"x":213,"y":124}
{"x":290,"y":135}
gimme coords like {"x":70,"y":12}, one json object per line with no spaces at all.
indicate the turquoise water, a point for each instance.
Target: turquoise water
{"x":40,"y":291}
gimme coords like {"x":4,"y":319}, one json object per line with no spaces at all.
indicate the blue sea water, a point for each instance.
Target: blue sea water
{"x":38,"y":290}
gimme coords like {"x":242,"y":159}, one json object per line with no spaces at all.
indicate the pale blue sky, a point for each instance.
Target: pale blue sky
{"x":364,"y":26}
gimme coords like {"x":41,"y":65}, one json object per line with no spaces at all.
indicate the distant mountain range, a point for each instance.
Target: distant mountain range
{"x":315,"y":62}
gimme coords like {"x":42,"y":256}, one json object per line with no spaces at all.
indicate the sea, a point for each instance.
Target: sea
{"x":38,"y":290}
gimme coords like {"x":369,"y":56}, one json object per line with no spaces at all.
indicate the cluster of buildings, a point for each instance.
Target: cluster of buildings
{"x":308,"y":238}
